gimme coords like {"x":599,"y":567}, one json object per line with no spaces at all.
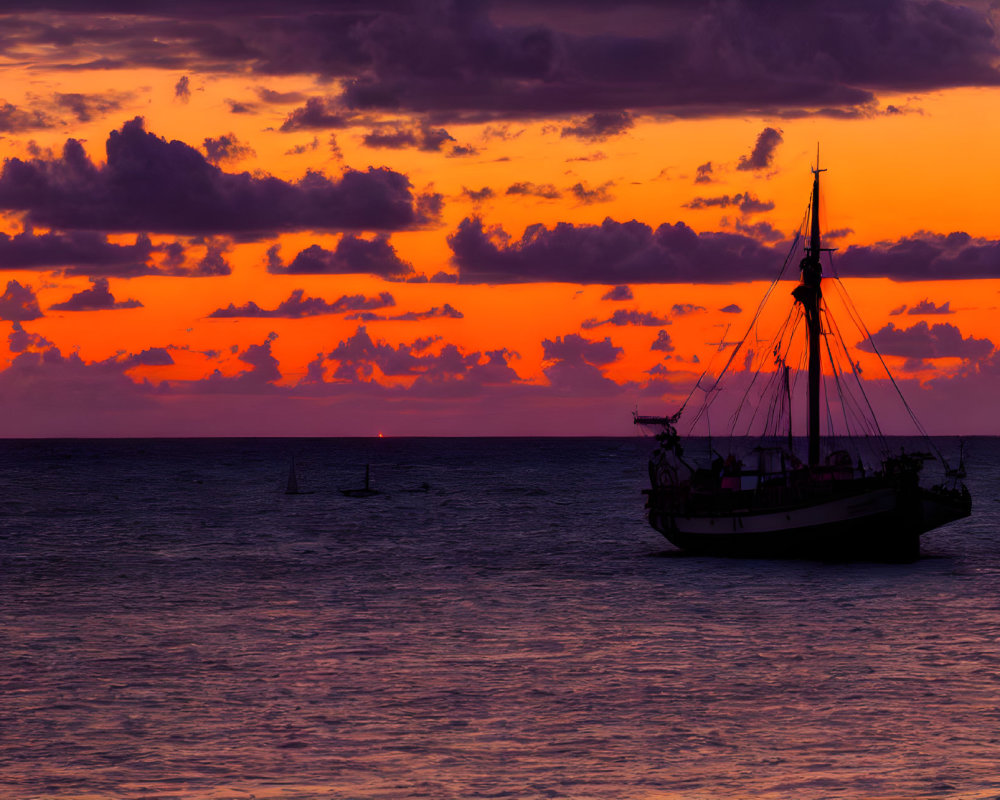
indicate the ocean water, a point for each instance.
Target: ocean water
{"x":499,"y":622}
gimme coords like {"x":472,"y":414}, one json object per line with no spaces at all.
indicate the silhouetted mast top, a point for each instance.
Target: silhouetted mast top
{"x":808,"y":293}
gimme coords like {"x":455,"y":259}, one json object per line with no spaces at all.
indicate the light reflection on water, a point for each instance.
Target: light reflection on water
{"x":174,"y":626}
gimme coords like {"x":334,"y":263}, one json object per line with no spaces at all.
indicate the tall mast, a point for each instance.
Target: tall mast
{"x":808,"y":293}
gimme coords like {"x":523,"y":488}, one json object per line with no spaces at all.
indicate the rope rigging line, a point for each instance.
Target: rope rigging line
{"x":863,"y":329}
{"x":868,"y":421}
{"x":760,"y":307}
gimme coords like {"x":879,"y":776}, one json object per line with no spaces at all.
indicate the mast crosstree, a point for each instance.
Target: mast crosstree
{"x":809,"y":293}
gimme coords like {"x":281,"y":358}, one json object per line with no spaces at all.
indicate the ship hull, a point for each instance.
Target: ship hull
{"x":884,"y":524}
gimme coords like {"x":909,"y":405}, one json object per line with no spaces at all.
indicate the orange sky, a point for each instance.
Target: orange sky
{"x":913,"y":161}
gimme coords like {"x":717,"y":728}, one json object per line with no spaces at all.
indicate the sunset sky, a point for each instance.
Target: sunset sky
{"x":480,"y":218}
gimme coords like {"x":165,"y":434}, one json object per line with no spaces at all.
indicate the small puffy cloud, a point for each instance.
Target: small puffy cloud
{"x":762,"y":231}
{"x":353,"y":255}
{"x":600,"y":126}
{"x":732,"y":308}
{"x":318,"y":113}
{"x":926,"y":307}
{"x":588,"y":196}
{"x":150,"y":357}
{"x":763,"y":151}
{"x":922,"y":341}
{"x":301,"y":149}
{"x":662,"y":342}
{"x":478,"y":195}
{"x":182,"y":89}
{"x":97,"y":298}
{"x":20,"y":340}
{"x":745,"y":201}
{"x":446,"y":311}
{"x":449,"y":371}
{"x":237,"y":107}
{"x":627,"y":317}
{"x":546,"y":191}
{"x":298,"y":306}
{"x":397,"y":138}
{"x":86,"y":106}
{"x":574,"y":347}
{"x":18,"y":120}
{"x":18,"y":303}
{"x":278,"y":98}
{"x":574,"y":365}
{"x":463,"y":150}
{"x":226,"y":149}
{"x":618,"y":293}
{"x":680,"y":309}
{"x":704,"y":173}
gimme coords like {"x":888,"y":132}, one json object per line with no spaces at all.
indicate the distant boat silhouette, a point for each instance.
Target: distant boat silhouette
{"x":367,"y":491}
{"x":292,"y":487}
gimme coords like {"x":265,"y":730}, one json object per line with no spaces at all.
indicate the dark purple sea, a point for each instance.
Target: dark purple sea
{"x":498,"y":622}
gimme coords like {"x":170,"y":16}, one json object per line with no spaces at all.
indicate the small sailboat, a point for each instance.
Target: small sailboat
{"x":292,"y":487}
{"x":366,"y":490}
{"x":766,"y":500}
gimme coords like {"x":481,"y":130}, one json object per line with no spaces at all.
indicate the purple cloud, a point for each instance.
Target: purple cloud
{"x":662,"y":343}
{"x":618,"y":293}
{"x":226,"y":149}
{"x":446,"y":311}
{"x":150,"y":357}
{"x":20,"y":340}
{"x":762,"y":231}
{"x":182,"y":89}
{"x":398,"y":138}
{"x":298,"y":306}
{"x":353,"y":255}
{"x":588,"y":196}
{"x":574,"y":365}
{"x":704,"y":173}
{"x":680,"y":309}
{"x":942,"y":340}
{"x":923,"y":256}
{"x":460,"y":62}
{"x":927,"y":307}
{"x":624,"y":316}
{"x":600,"y":126}
{"x":86,"y":106}
{"x":611,"y":252}
{"x":574,"y":347}
{"x":449,"y":371}
{"x":77,"y":252}
{"x":318,"y":113}
{"x":97,"y":298}
{"x":478,"y":195}
{"x":149,"y":184}
{"x":546,"y":191}
{"x":745,"y":201}
{"x":18,"y":303}
{"x":732,"y":308}
{"x":19,"y":120}
{"x":278,"y":98}
{"x":763,"y":151}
